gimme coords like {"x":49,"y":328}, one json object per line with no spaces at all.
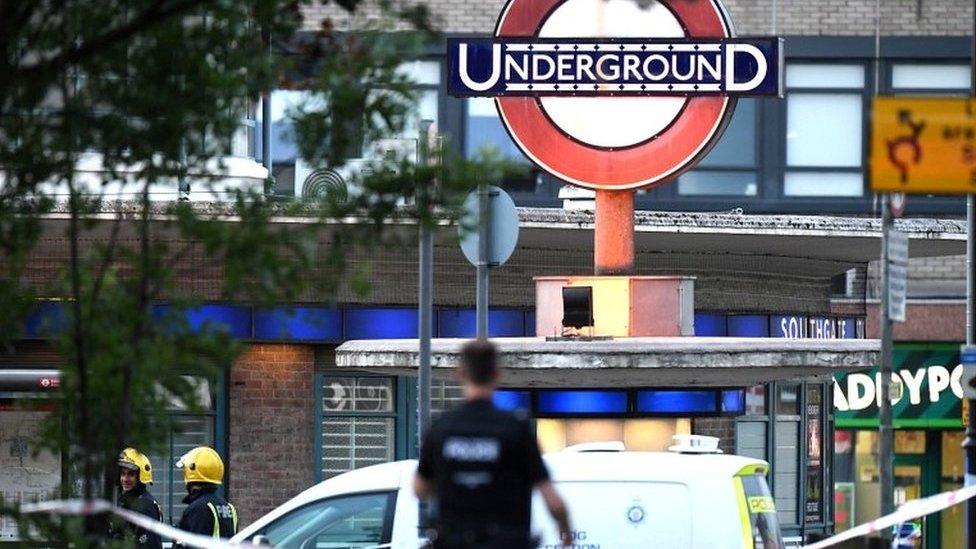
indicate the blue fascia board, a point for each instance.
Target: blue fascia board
{"x":298,"y":324}
{"x":463,"y":323}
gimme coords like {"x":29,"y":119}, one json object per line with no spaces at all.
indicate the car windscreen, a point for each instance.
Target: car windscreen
{"x":761,"y":512}
{"x":352,"y":521}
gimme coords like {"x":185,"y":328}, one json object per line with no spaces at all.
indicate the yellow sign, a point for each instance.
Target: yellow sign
{"x":761,"y":504}
{"x":924,"y":146}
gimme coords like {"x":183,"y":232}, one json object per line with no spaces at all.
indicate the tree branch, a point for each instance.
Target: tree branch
{"x":106,"y":263}
{"x":153,"y":15}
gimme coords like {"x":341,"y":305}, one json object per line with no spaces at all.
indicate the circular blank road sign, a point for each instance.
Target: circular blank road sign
{"x":503,"y":227}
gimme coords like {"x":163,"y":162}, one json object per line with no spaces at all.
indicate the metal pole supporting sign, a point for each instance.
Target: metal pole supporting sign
{"x":493,"y":211}
{"x":969,"y":442}
{"x":425,"y":299}
{"x":885,"y":433}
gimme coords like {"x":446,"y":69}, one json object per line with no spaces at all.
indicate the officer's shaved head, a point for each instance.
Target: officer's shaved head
{"x":479,"y":362}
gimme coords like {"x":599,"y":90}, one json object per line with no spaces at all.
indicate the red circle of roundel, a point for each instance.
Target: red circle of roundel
{"x":644,"y":165}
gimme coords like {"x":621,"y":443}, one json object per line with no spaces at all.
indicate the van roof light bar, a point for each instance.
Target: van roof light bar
{"x":695,"y":444}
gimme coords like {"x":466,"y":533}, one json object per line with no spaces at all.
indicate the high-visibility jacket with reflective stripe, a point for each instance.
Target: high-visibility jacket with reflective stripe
{"x":220,"y":517}
{"x":208,"y":514}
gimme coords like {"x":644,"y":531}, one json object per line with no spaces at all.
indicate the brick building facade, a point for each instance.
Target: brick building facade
{"x":277,"y":395}
{"x":271,"y":419}
{"x":751,"y":17}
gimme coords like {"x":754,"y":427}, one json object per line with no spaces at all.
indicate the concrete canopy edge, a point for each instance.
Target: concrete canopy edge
{"x":633,"y":362}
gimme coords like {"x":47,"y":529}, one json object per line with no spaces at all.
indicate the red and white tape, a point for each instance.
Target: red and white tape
{"x":907,"y":511}
{"x":94,"y":507}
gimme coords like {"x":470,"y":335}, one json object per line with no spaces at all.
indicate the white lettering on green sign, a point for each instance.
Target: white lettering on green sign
{"x":860,"y":391}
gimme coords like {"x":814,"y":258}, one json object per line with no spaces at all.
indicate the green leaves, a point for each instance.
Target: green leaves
{"x":113,"y":99}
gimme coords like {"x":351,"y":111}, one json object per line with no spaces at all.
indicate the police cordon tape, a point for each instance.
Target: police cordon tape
{"x":907,"y":511}
{"x":94,"y":507}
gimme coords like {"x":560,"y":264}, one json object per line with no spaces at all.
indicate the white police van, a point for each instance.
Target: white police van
{"x":690,"y":497}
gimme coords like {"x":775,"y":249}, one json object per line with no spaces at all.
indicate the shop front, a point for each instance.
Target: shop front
{"x":927,"y":415}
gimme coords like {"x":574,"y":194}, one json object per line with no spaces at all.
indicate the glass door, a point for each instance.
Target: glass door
{"x":952,"y":479}
{"x":917,"y":456}
{"x":908,"y":486}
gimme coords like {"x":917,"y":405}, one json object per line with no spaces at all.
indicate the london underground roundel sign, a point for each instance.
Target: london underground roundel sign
{"x":614,"y":94}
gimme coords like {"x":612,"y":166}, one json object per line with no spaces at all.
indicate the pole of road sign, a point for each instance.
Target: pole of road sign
{"x":425,"y":300}
{"x":969,"y":442}
{"x":886,"y":435}
{"x":492,"y":244}
{"x":484,"y":253}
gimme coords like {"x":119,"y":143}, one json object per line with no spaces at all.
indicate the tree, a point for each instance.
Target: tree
{"x":152,"y":92}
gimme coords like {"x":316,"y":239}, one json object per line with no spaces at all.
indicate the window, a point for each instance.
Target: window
{"x":923,"y":77}
{"x":786,"y":466}
{"x":751,"y":429}
{"x":362,"y":520}
{"x":787,"y":400}
{"x":191,"y":430}
{"x":242,"y":141}
{"x":824,"y":130}
{"x":815,"y":501}
{"x":444,"y":396}
{"x":426,"y":75}
{"x":729,"y":169}
{"x":291,"y":172}
{"x":358,"y":423}
{"x":484,"y":131}
{"x":27,"y":476}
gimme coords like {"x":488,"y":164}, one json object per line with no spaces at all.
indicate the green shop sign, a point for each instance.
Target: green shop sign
{"x":925,"y":390}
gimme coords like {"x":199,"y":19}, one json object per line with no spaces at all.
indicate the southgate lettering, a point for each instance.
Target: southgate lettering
{"x":581,"y":67}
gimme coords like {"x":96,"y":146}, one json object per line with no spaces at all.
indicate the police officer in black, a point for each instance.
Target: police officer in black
{"x":135,"y":474}
{"x":207,"y":513}
{"x":481,"y":463}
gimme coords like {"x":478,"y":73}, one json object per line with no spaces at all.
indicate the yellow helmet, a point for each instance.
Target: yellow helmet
{"x":202,"y":464}
{"x":134,"y":460}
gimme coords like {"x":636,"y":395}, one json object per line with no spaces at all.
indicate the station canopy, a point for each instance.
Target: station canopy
{"x":629,"y":362}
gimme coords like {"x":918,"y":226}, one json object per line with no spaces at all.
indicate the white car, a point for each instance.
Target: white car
{"x":691,"y":497}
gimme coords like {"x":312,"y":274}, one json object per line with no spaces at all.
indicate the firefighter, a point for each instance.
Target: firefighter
{"x":207,"y":513}
{"x":135,"y":474}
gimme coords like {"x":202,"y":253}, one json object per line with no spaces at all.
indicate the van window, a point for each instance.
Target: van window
{"x":762,"y":513}
{"x":361,"y":520}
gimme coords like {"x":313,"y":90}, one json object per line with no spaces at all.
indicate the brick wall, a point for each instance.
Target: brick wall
{"x":721,"y":427}
{"x":724,"y":281}
{"x":750,"y":17}
{"x":32,"y":353}
{"x":942,"y":277}
{"x":925,"y":321}
{"x":271,"y":423}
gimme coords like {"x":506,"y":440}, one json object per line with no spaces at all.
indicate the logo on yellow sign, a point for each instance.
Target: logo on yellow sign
{"x":924,"y":145}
